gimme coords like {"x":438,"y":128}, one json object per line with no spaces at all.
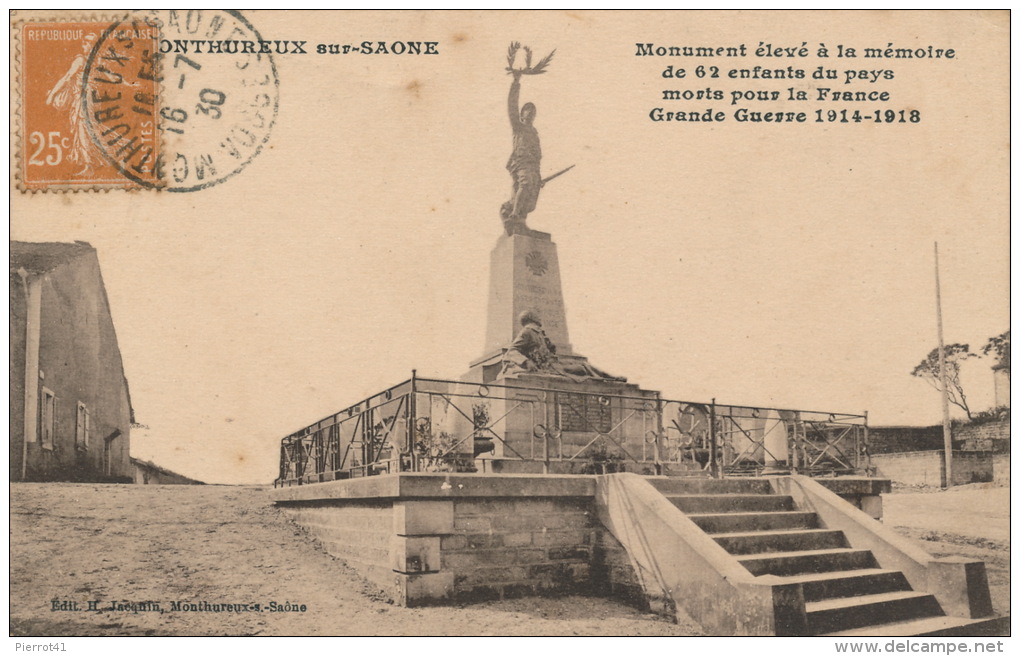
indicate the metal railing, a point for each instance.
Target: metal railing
{"x":427,"y":424}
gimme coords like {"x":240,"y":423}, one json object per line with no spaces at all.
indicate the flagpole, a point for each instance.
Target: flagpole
{"x":947,"y":432}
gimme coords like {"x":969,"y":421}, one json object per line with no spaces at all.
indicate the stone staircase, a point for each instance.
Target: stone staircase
{"x":846,"y":592}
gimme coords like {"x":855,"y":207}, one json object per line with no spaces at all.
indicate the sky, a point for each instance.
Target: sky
{"x":771,"y":265}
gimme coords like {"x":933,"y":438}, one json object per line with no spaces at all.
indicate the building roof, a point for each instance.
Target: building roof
{"x":42,"y":257}
{"x":45,"y":256}
{"x":138,"y":462}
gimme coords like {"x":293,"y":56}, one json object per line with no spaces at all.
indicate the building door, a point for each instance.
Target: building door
{"x":109,"y":451}
{"x":106,"y":457}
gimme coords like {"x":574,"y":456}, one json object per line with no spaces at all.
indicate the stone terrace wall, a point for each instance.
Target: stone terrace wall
{"x":925,"y":467}
{"x":993,"y":430}
{"x":357,"y":532}
{"x":904,"y":439}
{"x":495,"y":537}
{"x":519,"y":546}
{"x":913,"y":468}
{"x":972,"y":467}
{"x":615,"y":575}
{"x":992,"y":436}
{"x":1000,"y":468}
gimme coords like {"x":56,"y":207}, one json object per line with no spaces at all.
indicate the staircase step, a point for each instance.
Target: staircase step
{"x":844,"y":613}
{"x":712,"y":485}
{"x":941,"y":626}
{"x":753,"y":521}
{"x":756,"y":542}
{"x":827,"y":585}
{"x":791,"y":563}
{"x":724,"y":503}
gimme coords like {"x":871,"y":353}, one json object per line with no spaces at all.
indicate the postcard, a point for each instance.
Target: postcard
{"x":228,"y":225}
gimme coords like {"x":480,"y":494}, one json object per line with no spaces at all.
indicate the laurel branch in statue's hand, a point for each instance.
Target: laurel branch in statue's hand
{"x":528,"y":69}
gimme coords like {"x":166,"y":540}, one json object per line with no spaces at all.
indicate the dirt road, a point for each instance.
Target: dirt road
{"x":229,"y":545}
{"x":970,"y":520}
{"x":971,"y":511}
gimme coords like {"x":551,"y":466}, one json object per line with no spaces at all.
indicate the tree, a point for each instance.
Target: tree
{"x":999,"y":345}
{"x":930,"y":372}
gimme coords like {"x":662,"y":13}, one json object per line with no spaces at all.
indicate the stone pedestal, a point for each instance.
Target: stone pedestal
{"x":524,"y":274}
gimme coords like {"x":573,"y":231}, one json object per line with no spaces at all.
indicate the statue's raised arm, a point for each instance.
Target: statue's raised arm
{"x":513,"y":101}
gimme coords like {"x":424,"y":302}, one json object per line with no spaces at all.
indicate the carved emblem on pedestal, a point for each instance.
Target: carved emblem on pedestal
{"x":536,"y":263}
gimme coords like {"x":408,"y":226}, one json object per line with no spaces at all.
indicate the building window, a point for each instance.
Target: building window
{"x":83,"y":427}
{"x":47,"y":417}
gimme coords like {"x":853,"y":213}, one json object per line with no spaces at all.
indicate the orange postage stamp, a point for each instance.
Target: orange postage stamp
{"x":89,"y":105}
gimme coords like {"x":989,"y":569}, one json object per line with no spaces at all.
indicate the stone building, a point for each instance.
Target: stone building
{"x":70,"y":409}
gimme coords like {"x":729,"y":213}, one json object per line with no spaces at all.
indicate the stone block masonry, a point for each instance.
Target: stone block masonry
{"x":991,"y":436}
{"x":520,"y":546}
{"x":926,"y":467}
{"x":615,"y":576}
{"x":904,"y":439}
{"x":1000,"y":468}
{"x":357,"y":532}
{"x":435,"y":538}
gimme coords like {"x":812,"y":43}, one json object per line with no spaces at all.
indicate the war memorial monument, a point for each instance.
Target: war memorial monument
{"x":535,"y":472}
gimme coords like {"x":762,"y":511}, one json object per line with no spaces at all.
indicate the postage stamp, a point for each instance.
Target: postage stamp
{"x":88,"y":89}
{"x":171,"y":100}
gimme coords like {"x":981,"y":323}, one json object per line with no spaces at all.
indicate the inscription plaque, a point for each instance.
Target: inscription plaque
{"x":583,"y":413}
